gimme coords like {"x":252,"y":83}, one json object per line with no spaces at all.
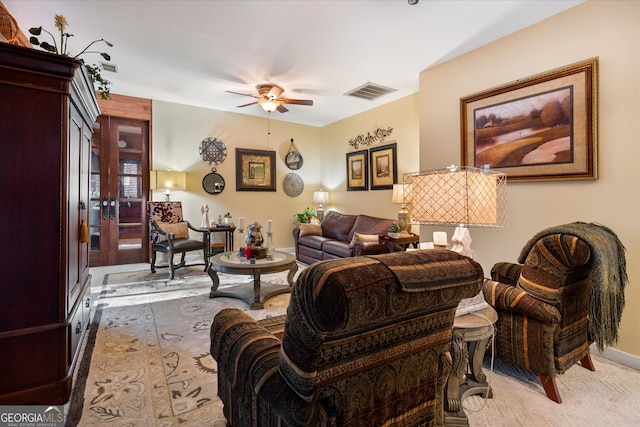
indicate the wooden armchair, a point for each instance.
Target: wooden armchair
{"x":169,"y":234}
{"x":566,"y":294}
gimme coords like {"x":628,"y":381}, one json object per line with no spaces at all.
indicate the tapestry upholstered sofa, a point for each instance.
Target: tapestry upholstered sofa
{"x":365,"y":342}
{"x":339,"y":236}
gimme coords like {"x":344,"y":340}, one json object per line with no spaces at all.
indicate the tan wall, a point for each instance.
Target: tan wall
{"x":402,"y":116}
{"x":177,"y":132}
{"x":609,"y":30}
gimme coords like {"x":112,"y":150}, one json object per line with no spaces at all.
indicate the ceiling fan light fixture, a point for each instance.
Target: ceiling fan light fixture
{"x":269,"y":105}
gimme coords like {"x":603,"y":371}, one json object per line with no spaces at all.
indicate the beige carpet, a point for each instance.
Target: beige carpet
{"x":147,"y":363}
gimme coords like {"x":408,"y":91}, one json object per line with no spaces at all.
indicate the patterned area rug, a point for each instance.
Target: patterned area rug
{"x":147,"y":359}
{"x":147,"y":363}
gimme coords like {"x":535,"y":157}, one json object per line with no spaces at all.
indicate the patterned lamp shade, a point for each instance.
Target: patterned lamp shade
{"x":458,"y":195}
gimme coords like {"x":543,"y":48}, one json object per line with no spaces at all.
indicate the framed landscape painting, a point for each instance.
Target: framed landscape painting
{"x":541,"y":128}
{"x":383,"y":165}
{"x":255,"y":170}
{"x":357,"y":171}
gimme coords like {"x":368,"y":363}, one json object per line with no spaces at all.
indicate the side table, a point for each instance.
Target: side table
{"x":228,"y":238}
{"x":389,"y":243}
{"x":471,"y":334}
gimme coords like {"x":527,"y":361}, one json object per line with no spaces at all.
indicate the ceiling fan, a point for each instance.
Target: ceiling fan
{"x":269,"y":99}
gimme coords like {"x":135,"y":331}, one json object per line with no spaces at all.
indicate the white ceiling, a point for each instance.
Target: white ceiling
{"x":191,"y":52}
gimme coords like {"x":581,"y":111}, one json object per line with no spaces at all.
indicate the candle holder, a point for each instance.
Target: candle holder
{"x":269,"y":245}
{"x":241,"y":246}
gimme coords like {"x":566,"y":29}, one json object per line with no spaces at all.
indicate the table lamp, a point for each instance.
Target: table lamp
{"x":402,"y":196}
{"x":167,"y":181}
{"x":320,"y":198}
{"x":461,"y":196}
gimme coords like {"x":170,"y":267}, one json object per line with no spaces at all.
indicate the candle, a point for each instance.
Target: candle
{"x":240,"y":222}
{"x":269,"y":224}
{"x":440,"y":238}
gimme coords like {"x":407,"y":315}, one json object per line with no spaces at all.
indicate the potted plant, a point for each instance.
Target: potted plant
{"x":61,"y":24}
{"x":394,"y":230}
{"x":227,"y":218}
{"x":306,"y":216}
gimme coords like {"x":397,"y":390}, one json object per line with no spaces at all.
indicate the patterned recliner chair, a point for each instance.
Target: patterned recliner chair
{"x":365,"y":342}
{"x":567,"y":292}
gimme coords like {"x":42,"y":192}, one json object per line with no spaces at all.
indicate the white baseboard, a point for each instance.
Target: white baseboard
{"x":617,"y":356}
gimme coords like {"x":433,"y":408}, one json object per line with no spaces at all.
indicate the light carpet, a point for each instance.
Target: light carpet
{"x":147,"y":363}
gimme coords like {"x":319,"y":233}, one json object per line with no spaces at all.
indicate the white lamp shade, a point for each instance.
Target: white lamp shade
{"x":401,"y":194}
{"x":168,"y":180}
{"x":458,"y":196}
{"x":320,"y":197}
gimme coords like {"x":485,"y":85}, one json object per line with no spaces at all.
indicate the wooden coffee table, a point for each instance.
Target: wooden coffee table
{"x":232,"y":263}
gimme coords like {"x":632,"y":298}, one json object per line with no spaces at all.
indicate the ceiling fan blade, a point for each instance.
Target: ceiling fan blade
{"x":281,"y":108}
{"x":246,"y":105}
{"x":243,"y":94}
{"x":296,"y":101}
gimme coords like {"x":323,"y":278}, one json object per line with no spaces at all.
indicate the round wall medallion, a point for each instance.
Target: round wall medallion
{"x":213,"y":151}
{"x":293,"y":185}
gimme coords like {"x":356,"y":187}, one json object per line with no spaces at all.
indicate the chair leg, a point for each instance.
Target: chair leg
{"x":153,"y":261}
{"x":586,"y":362}
{"x":171,"y":266}
{"x":550,"y":388}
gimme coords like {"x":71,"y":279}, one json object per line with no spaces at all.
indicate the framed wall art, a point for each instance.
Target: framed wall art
{"x":357,"y":171}
{"x":541,"y":128}
{"x":383,"y":165}
{"x":255,"y":170}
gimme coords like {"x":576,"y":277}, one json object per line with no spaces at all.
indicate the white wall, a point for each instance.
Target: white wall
{"x":609,"y":30}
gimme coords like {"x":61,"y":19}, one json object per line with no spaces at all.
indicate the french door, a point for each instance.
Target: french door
{"x":119,"y":169}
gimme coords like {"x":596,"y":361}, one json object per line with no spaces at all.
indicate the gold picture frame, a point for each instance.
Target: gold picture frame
{"x":540,"y":128}
{"x":383,"y":166}
{"x":357,"y":171}
{"x":255,"y":170}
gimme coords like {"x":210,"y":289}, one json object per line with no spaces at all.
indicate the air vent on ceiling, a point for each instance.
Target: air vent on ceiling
{"x":370,"y":91}
{"x":112,"y":68}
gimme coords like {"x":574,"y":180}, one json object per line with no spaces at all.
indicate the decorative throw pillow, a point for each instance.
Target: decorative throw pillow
{"x":180,"y":230}
{"x":310,"y":230}
{"x":361,"y":238}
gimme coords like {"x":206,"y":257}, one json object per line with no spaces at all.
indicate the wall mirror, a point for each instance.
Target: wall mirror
{"x":213,"y":183}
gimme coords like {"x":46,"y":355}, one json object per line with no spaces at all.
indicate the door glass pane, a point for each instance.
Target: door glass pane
{"x":129,"y":226}
{"x":130,"y":138}
{"x":129,"y":236}
{"x":94,"y":238}
{"x":130,"y":187}
{"x":95,"y":185}
{"x":94,"y":212}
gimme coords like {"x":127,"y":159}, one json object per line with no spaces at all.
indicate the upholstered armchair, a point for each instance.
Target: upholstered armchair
{"x":169,"y":234}
{"x":566,"y":292}
{"x":365,"y":342}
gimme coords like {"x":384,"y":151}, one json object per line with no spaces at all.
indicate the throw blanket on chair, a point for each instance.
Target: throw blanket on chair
{"x":608,"y":277}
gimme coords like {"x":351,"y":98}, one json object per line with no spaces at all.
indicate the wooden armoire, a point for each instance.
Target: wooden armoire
{"x":47,"y":108}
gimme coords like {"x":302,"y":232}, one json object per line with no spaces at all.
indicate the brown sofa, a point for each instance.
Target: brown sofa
{"x":334,"y":237}
{"x":365,"y":342}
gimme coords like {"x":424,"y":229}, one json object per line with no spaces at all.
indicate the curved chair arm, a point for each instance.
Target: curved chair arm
{"x":509,"y":298}
{"x":247,"y":357}
{"x":506,"y":272}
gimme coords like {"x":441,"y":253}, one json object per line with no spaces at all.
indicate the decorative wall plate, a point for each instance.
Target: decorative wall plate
{"x":213,"y":150}
{"x":293,"y":185}
{"x":294,"y":158}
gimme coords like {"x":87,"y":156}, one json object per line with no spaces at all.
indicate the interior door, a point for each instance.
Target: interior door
{"x":119,"y":170}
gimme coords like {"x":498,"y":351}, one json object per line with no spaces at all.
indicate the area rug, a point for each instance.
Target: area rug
{"x":146,"y":362}
{"x":146,"y":359}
